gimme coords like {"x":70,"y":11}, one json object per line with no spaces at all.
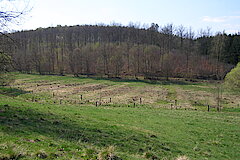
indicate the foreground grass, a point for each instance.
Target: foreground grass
{"x":62,"y":131}
{"x":34,"y":130}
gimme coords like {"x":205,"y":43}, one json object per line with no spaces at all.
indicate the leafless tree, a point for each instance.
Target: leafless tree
{"x":181,"y":32}
{"x":8,"y":16}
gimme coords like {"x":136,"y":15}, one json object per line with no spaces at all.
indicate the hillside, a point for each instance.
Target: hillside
{"x":47,"y":117}
{"x":75,"y":89}
{"x":117,"y":51}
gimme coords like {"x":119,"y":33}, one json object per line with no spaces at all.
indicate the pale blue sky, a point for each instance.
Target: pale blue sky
{"x":218,"y":14}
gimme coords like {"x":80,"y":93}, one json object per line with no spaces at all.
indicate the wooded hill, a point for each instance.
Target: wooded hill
{"x":117,"y":51}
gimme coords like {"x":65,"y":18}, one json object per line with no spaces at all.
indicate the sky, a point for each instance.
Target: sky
{"x":219,"y":15}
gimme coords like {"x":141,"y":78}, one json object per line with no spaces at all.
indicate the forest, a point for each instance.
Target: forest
{"x":117,"y":51}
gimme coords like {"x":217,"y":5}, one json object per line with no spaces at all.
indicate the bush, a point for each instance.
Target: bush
{"x":232,"y":79}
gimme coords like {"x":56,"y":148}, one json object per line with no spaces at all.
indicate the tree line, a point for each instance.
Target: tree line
{"x":117,"y":51}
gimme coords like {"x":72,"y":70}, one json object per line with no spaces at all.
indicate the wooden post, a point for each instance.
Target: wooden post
{"x":134,"y":104}
{"x":81,"y":97}
{"x":208,"y":108}
{"x":140,"y":100}
{"x":110,"y":100}
{"x":96,"y":103}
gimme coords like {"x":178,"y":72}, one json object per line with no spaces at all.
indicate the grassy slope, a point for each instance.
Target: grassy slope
{"x":36,"y":130}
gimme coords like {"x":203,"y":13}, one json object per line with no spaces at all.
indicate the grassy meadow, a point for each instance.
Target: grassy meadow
{"x":62,"y":117}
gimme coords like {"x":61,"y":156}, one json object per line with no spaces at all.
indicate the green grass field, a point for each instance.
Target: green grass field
{"x":44,"y":117}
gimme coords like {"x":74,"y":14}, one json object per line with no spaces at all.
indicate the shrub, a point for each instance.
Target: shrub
{"x":232,"y":79}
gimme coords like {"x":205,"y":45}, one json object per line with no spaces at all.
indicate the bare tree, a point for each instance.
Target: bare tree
{"x":190,"y":45}
{"x":7,"y":15}
{"x":168,"y":32}
{"x":218,"y":45}
{"x":181,"y":33}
